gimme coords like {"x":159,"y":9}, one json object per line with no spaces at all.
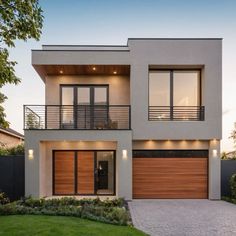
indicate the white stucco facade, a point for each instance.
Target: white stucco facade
{"x":140,"y":55}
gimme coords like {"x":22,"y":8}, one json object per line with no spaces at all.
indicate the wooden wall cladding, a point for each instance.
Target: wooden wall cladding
{"x":64,"y":179}
{"x":85,"y":172}
{"x":170,"y":178}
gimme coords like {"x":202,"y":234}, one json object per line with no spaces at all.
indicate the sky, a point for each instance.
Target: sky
{"x":112,"y":22}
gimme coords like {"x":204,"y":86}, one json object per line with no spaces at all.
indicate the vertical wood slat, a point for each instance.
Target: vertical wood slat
{"x":170,"y":177}
{"x":85,"y":172}
{"x":64,"y":179}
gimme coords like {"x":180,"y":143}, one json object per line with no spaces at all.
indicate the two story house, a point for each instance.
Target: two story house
{"x":135,"y":121}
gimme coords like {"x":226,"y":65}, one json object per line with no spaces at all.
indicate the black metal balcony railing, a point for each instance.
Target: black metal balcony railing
{"x":176,"y":113}
{"x":81,"y":117}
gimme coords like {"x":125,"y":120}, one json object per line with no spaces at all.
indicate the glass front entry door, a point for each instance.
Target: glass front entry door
{"x":105,"y":169}
{"x":84,"y":172}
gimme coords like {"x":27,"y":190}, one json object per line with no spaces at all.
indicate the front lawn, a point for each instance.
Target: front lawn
{"x":17,"y":225}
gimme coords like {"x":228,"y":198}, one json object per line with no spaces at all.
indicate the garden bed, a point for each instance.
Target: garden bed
{"x":107,"y":211}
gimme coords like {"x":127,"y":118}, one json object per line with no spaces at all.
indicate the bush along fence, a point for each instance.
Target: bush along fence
{"x":12,"y":176}
{"x":228,"y":168}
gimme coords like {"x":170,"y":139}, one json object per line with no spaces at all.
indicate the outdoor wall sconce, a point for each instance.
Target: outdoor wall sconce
{"x":124,"y":154}
{"x":30,"y":154}
{"x":214,"y":152}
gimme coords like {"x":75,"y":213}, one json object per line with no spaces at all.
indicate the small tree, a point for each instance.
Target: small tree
{"x":32,"y":121}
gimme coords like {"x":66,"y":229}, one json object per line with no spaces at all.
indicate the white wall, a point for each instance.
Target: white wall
{"x":180,"y":53}
{"x":140,"y":54}
{"x":119,"y":87}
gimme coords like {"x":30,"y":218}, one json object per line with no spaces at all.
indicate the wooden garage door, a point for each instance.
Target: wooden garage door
{"x":170,"y":177}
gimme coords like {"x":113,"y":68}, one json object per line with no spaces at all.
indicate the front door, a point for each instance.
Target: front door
{"x":83,"y":172}
{"x":84,"y":106}
{"x":102,"y":175}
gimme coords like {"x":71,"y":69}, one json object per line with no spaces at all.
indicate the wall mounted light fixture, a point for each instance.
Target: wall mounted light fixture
{"x":214,"y":153}
{"x":124,"y":154}
{"x":30,"y":154}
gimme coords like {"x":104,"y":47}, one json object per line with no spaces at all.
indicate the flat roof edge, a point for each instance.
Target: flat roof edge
{"x":102,"y":47}
{"x":74,"y":50}
{"x":175,"y":39}
{"x":80,"y":45}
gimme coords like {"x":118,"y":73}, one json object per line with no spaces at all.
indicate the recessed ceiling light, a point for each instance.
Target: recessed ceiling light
{"x":94,"y":68}
{"x":61,"y":71}
{"x":114,"y":72}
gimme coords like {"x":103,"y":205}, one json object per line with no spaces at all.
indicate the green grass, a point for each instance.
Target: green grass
{"x":21,"y":225}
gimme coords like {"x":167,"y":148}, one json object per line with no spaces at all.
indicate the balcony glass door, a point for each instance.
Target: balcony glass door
{"x":67,"y":108}
{"x":100,"y":109}
{"x":85,"y":106}
{"x":83,"y":109}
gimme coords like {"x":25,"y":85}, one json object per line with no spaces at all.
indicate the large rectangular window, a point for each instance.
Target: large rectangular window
{"x":175,"y":95}
{"x":186,"y":88}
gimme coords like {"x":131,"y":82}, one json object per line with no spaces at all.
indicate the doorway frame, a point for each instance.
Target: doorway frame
{"x":75,"y":172}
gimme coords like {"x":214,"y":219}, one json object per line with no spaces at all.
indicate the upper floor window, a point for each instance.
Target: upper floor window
{"x":174,"y":94}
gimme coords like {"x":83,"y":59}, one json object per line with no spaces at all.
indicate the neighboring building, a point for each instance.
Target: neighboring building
{"x":10,"y":138}
{"x":135,"y":121}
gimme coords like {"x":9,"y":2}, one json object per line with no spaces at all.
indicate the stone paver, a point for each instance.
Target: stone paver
{"x":184,"y":217}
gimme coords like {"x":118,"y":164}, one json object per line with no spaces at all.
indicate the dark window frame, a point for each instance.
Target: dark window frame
{"x":172,"y":83}
{"x":90,"y":86}
{"x":171,"y":153}
{"x":75,"y":172}
{"x":92,"y":98}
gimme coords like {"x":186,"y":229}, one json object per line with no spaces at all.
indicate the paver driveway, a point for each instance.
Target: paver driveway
{"x":184,"y":217}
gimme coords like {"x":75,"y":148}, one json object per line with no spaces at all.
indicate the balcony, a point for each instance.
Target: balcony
{"x":79,"y":117}
{"x":176,"y":113}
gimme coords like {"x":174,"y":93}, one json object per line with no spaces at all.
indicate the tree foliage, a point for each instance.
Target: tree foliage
{"x":19,"y":20}
{"x":13,"y":151}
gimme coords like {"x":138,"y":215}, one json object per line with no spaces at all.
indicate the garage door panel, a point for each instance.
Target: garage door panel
{"x":170,"y":177}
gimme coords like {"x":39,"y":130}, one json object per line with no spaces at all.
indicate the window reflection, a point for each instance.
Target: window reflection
{"x":186,"y":88}
{"x":83,"y":96}
{"x":174,"y":95}
{"x":159,"y":88}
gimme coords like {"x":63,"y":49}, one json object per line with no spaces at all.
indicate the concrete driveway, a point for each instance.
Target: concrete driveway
{"x":184,"y":217}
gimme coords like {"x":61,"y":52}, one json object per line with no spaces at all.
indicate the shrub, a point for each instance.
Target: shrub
{"x":233,"y":185}
{"x":108,"y":211}
{"x":14,"y":151}
{"x":118,"y":216}
{"x":3,"y":198}
{"x":18,"y":150}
